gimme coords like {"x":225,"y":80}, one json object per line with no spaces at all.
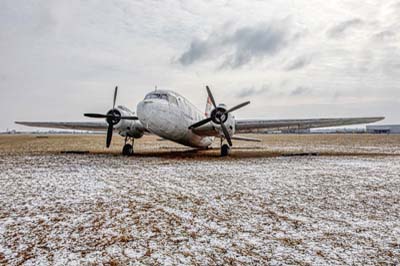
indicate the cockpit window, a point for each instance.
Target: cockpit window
{"x":157,"y":96}
{"x":173,"y":100}
{"x":163,"y":96}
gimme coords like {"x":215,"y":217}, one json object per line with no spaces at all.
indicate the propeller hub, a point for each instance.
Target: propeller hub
{"x":218,"y":115}
{"x":113,"y":116}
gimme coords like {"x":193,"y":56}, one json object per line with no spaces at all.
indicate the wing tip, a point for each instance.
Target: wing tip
{"x":26,"y":123}
{"x":378,"y":118}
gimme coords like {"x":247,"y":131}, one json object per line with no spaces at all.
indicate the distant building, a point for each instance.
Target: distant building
{"x":384,"y":129}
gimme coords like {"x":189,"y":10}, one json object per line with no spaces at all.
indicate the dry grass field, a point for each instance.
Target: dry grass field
{"x":271,"y":145}
{"x":172,"y":205}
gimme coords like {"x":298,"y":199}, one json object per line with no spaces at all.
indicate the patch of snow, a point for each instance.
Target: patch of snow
{"x":100,"y":209}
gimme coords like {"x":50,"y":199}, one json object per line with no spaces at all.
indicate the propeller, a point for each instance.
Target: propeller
{"x":112,"y":117}
{"x":219,"y":116}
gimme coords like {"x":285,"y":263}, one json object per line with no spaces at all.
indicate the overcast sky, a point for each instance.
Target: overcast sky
{"x":291,"y":59}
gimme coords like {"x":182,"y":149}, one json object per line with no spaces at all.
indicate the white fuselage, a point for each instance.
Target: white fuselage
{"x":169,"y":115}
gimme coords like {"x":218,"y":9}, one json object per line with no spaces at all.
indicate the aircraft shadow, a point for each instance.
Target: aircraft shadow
{"x":236,"y":153}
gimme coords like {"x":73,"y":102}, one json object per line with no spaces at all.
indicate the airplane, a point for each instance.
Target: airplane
{"x":171,"y":116}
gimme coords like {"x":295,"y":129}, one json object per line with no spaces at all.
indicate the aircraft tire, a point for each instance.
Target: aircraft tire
{"x":127,"y":150}
{"x":225,"y":150}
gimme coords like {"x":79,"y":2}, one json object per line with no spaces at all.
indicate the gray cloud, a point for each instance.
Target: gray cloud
{"x":340,"y":28}
{"x":198,"y":49}
{"x":301,"y":91}
{"x":386,"y":35}
{"x":268,"y":90}
{"x":255,"y":43}
{"x":298,"y":63}
{"x":252,"y":91}
{"x":241,"y":46}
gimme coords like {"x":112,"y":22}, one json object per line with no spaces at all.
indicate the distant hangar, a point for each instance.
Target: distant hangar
{"x":383,"y":129}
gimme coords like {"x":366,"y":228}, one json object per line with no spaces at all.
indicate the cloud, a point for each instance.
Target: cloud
{"x":241,"y":46}
{"x":252,"y":91}
{"x":301,"y":91}
{"x":271,"y":92}
{"x":341,"y":28}
{"x":198,"y":50}
{"x":385,"y":35}
{"x":298,"y":63}
{"x":255,"y":42}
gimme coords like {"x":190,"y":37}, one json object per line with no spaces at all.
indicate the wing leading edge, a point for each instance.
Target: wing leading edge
{"x":91,"y":126}
{"x":242,"y":125}
{"x":256,"y":125}
{"x":260,"y":125}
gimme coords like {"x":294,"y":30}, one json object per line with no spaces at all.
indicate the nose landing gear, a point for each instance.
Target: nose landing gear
{"x":225,"y":149}
{"x":127,"y":150}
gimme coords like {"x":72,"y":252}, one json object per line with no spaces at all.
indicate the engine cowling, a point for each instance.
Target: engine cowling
{"x":130,"y":128}
{"x":218,"y":116}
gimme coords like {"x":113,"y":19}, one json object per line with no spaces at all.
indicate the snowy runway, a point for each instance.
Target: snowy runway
{"x":100,"y":208}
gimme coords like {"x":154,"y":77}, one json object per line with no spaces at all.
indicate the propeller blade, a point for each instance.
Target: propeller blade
{"x":211,"y":96}
{"x":237,"y":107}
{"x":200,"y":123}
{"x":115,"y":95}
{"x":226,"y":134}
{"x":95,"y":115}
{"x":109,"y":134}
{"x":129,"y":117}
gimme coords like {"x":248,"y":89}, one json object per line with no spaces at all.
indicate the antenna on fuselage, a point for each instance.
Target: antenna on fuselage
{"x":155,"y":88}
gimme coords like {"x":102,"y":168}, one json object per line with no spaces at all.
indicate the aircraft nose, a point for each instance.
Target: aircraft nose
{"x":153,"y":115}
{"x":144,"y":110}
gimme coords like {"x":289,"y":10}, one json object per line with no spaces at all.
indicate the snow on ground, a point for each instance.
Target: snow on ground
{"x":106,"y":209}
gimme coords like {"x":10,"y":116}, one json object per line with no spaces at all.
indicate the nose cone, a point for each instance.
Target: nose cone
{"x":143,"y":111}
{"x":151,"y":114}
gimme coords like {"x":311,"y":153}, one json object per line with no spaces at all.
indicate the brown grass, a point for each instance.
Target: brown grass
{"x":271,"y":146}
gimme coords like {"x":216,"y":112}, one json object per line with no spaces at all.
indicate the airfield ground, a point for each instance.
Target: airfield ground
{"x":171,"y":205}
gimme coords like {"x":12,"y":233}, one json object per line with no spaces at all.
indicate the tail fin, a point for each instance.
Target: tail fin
{"x":208,"y":107}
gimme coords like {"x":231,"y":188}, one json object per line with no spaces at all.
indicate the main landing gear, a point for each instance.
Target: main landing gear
{"x":127,"y":150}
{"x":225,"y":149}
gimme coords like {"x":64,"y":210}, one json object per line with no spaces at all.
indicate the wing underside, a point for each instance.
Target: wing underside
{"x":249,"y":126}
{"x":262,"y":125}
{"x":90,"y":126}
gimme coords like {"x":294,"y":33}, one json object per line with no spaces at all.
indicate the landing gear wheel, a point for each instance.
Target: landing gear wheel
{"x":127,"y":150}
{"x":225,"y":150}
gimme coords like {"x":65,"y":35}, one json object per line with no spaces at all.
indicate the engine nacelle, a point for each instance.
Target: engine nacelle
{"x":130,"y":128}
{"x":218,"y":115}
{"x":229,"y":124}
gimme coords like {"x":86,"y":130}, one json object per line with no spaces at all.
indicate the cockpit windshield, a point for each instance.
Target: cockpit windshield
{"x":162,"y":96}
{"x":156,"y":95}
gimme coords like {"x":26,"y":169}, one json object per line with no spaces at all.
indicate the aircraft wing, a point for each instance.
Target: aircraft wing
{"x":254,"y":125}
{"x":90,"y":126}
{"x":260,"y":125}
